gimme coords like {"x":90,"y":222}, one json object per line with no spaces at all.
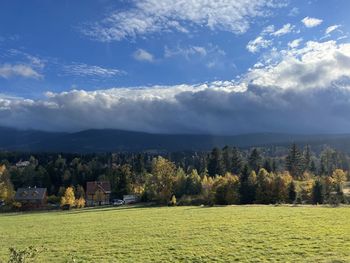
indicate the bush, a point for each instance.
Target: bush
{"x":173,"y":201}
{"x":16,"y":205}
{"x":53,"y":199}
{"x":22,"y":256}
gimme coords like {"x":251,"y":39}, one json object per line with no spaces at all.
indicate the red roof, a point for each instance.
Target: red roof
{"x":91,"y":187}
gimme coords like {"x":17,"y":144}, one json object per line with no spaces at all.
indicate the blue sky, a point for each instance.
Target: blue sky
{"x":153,"y":54}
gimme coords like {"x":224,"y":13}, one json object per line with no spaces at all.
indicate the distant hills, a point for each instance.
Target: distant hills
{"x":116,"y":140}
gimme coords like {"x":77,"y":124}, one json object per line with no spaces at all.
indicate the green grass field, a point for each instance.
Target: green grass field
{"x":183,"y":234}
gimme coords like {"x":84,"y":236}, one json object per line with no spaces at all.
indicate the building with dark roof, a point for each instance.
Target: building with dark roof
{"x":98,"y":193}
{"x":31,"y":197}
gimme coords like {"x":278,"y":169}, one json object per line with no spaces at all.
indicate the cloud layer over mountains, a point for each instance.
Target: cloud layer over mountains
{"x":304,"y":90}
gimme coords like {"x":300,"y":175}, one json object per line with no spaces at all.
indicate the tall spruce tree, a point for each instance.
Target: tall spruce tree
{"x":318,"y":192}
{"x":215,"y":164}
{"x":268,"y":165}
{"x":247,"y":186}
{"x":237,"y":161}
{"x":313,"y":167}
{"x":255,"y":160}
{"x":292,"y":193}
{"x":227,"y":158}
{"x":307,"y":158}
{"x":295,"y":161}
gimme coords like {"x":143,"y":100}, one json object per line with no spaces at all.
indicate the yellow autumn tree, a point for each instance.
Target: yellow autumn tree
{"x":6,"y":187}
{"x":173,"y":200}
{"x":339,"y":176}
{"x":207,"y":189}
{"x":80,"y":202}
{"x":163,"y":178}
{"x":68,"y":198}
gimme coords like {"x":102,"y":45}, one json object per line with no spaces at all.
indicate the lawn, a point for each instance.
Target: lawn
{"x":183,"y":234}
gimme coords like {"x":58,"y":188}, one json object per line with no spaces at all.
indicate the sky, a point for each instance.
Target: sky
{"x":176,"y":66}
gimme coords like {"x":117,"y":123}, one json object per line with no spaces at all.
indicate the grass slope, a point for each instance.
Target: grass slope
{"x":183,"y":234}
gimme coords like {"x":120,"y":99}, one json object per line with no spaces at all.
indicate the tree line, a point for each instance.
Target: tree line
{"x":221,"y":176}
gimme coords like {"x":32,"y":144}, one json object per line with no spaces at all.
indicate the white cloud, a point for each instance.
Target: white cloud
{"x":317,"y":65}
{"x":23,"y":65}
{"x":303,"y":90}
{"x":295,"y":43}
{"x":311,"y":21}
{"x":20,"y":70}
{"x":287,"y":28}
{"x":143,"y":55}
{"x":262,"y":41}
{"x":145,"y":17}
{"x":255,"y":45}
{"x":84,"y":70}
{"x":331,"y":29}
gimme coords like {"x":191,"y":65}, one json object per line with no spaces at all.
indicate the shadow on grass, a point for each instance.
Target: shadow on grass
{"x":95,"y":209}
{"x":104,"y":209}
{"x":146,"y":206}
{"x":79,"y":211}
{"x":140,"y":206}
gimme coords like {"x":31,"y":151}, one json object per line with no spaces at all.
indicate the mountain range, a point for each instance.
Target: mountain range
{"x":107,"y":140}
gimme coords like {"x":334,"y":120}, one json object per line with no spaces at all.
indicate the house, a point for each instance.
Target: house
{"x":98,"y":193}
{"x":31,"y":197}
{"x":22,"y":164}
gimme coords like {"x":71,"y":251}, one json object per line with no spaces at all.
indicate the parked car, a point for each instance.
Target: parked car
{"x":117,"y":202}
{"x":2,"y":203}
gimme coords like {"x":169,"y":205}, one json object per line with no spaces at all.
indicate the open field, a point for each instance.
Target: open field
{"x":183,"y":234}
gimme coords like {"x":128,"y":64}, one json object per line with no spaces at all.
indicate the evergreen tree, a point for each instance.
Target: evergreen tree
{"x":244,"y":186}
{"x":215,"y":164}
{"x":307,"y":158}
{"x":237,"y":161}
{"x":268,"y":165}
{"x":247,"y":186}
{"x":255,"y":160}
{"x":274,"y":165}
{"x":318,"y":193}
{"x":124,"y":184}
{"x":313,"y":167}
{"x":139,"y":168}
{"x":292,"y":193}
{"x":294,"y":161}
{"x":227,"y":158}
{"x":329,"y":161}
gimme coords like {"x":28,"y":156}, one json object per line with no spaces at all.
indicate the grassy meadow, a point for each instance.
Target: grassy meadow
{"x":182,"y":234}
